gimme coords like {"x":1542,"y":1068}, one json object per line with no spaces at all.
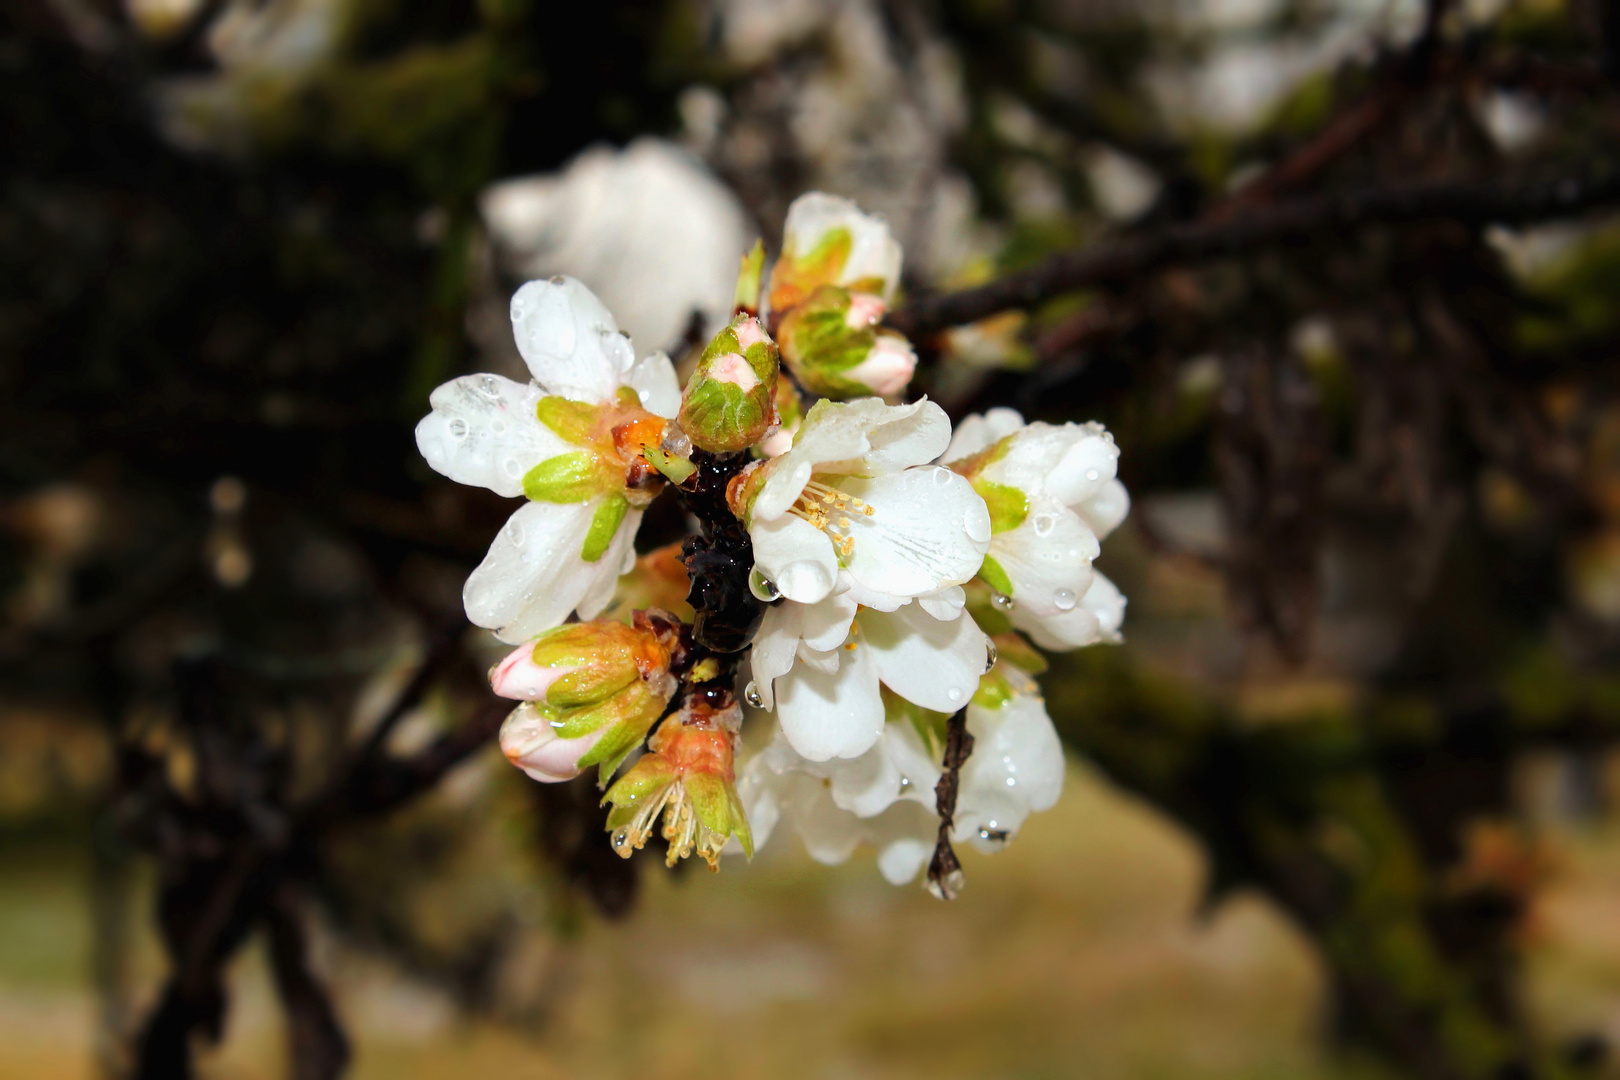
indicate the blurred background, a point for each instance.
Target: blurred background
{"x":1343,"y":804}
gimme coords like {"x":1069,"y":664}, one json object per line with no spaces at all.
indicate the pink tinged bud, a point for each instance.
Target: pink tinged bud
{"x":530,"y":742}
{"x":518,"y":677}
{"x":734,"y":369}
{"x":749,"y":333}
{"x":865,"y":310}
{"x":888,"y":366}
{"x":777,"y":444}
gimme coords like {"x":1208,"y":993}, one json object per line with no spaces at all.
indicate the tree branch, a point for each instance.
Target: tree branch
{"x":1466,"y":202}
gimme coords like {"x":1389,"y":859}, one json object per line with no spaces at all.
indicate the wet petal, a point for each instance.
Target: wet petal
{"x":831,"y":715}
{"x":653,"y":379}
{"x":931,"y":663}
{"x":533,"y":575}
{"x":929,"y":530}
{"x":569,"y":340}
{"x":483,"y":432}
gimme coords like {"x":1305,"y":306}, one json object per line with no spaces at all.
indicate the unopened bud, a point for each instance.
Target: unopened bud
{"x":828,"y":241}
{"x":728,"y":403}
{"x":833,"y":345}
{"x":591,"y":690}
{"x":789,"y":418}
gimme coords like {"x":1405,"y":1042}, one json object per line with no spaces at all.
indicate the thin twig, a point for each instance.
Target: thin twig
{"x":944,"y":871}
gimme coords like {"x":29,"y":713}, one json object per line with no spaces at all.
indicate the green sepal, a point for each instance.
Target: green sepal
{"x":716,"y":804}
{"x":819,"y":346}
{"x":590,"y":684}
{"x":994,"y":691}
{"x":574,"y":420}
{"x":1008,"y":506}
{"x":995,"y":577}
{"x":796,"y":275}
{"x":644,"y":780}
{"x":674,"y":468}
{"x":604,"y":524}
{"x":749,"y":272}
{"x":567,"y":478}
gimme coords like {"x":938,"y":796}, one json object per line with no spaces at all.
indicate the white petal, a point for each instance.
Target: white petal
{"x":607,"y":570}
{"x":946,"y":604}
{"x":902,"y":858}
{"x":830,"y":835}
{"x":838,"y":715}
{"x":1061,"y":632}
{"x":822,"y":626}
{"x":569,"y":340}
{"x":1047,"y":559}
{"x":866,"y":785}
{"x":1016,"y":767}
{"x":759,"y":790}
{"x":976,"y":433}
{"x":932,"y":663}
{"x":898,"y":437}
{"x":1105,"y":601}
{"x":1106,"y":508}
{"x":1087,"y":465}
{"x":483,"y":432}
{"x":653,"y":379}
{"x":929,"y":530}
{"x":533,"y":575}
{"x":796,"y":556}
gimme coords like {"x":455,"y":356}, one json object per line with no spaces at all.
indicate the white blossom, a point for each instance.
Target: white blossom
{"x":821,"y":666}
{"x":564,"y":550}
{"x":854,"y":494}
{"x":1053,"y":496}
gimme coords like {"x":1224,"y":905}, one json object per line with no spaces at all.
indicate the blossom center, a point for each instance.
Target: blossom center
{"x":833,"y":512}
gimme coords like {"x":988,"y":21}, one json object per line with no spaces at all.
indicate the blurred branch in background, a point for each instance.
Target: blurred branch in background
{"x":1343,"y":284}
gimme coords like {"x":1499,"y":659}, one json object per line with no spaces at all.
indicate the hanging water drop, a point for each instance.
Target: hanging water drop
{"x":954,"y":693}
{"x":752,"y":695}
{"x":1044,"y":524}
{"x":947,"y":887}
{"x":490,"y":386}
{"x":458,"y":428}
{"x":621,"y":841}
{"x":762,"y":587}
{"x":991,"y":655}
{"x":942,"y":477}
{"x":1064,"y":599}
{"x":1002,"y":601}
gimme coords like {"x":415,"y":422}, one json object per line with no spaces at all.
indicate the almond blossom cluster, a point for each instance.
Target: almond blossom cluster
{"x":867,"y":581}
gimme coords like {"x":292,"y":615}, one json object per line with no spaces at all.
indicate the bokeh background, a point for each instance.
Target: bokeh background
{"x":1343,"y":804}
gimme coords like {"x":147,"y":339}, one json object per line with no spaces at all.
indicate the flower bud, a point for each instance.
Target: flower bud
{"x":833,"y":345}
{"x":828,"y":241}
{"x":689,"y":776}
{"x":789,"y":418}
{"x":591,"y":691}
{"x":728,"y":403}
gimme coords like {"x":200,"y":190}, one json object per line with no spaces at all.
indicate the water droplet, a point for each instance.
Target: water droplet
{"x":947,"y":887}
{"x":954,"y":693}
{"x":520,"y":308}
{"x":1092,"y":474}
{"x":1044,"y":524}
{"x":497,"y":425}
{"x":458,"y":428}
{"x":489,"y":386}
{"x":515,"y":532}
{"x":513,"y":467}
{"x":752,"y":695}
{"x":621,"y":841}
{"x":762,"y":587}
{"x":558,"y":279}
{"x":991,"y":654}
{"x":977,"y":526}
{"x":942,"y":477}
{"x":990,"y":834}
{"x":905,"y":782}
{"x":1002,"y":601}
{"x":1012,"y":781}
{"x":1064,"y":600}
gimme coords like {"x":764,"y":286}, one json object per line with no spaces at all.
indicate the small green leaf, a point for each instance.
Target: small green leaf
{"x":604,"y":524}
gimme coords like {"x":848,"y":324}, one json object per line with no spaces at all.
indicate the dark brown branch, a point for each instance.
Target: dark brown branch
{"x":1467,"y":202}
{"x":944,"y":871}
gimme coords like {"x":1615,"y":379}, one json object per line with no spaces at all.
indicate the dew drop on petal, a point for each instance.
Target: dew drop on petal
{"x":558,"y":279}
{"x":515,"y":533}
{"x":977,"y":526}
{"x":1002,"y":601}
{"x":1044,"y":524}
{"x":752,"y":695}
{"x":458,"y":428}
{"x":954,"y":693}
{"x":991,"y":654}
{"x":1012,"y":781}
{"x":497,"y":425}
{"x":762,"y":587}
{"x":942,"y":477}
{"x":1092,"y":474}
{"x":1064,"y":599}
